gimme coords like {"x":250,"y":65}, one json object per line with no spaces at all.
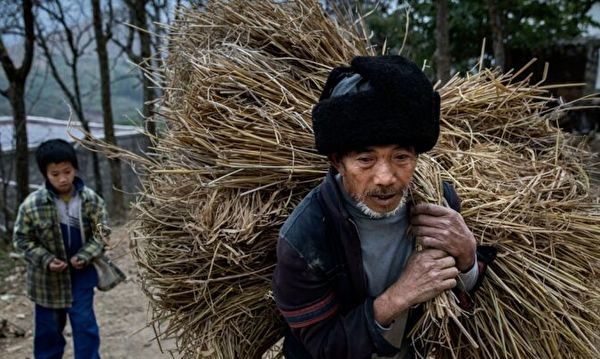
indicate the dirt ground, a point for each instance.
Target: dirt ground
{"x":121,"y":315}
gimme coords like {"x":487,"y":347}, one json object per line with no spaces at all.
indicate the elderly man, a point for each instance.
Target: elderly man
{"x":348,"y":279}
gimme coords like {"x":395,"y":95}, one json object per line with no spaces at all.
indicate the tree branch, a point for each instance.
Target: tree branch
{"x":128,"y":48}
{"x":13,"y":73}
{"x":29,"y":40}
{"x":7,"y":64}
{"x":12,"y":32}
{"x":109,"y":23}
{"x":61,"y":83}
{"x":41,"y":88}
{"x":84,"y":44}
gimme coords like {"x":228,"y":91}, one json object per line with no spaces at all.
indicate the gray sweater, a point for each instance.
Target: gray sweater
{"x":386,"y":246}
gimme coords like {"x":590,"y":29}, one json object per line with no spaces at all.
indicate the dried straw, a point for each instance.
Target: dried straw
{"x":235,"y":159}
{"x":237,"y":156}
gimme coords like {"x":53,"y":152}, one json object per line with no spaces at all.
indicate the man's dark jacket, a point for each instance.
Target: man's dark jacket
{"x":320,"y":285}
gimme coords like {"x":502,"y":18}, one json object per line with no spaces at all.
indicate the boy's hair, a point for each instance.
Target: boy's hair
{"x":55,"y":151}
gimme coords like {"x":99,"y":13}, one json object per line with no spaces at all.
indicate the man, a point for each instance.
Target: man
{"x":348,"y":279}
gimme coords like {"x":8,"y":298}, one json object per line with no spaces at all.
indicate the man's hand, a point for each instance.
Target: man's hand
{"x":56,"y":265}
{"x":427,"y":274}
{"x":77,"y":263}
{"x":443,"y":228}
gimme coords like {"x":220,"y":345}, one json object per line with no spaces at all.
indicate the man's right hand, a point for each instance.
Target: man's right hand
{"x":56,"y":265}
{"x":427,"y":274}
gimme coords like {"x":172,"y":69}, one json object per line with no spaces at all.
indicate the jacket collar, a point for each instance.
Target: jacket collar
{"x":345,"y":241}
{"x":50,"y":194}
{"x":334,"y":200}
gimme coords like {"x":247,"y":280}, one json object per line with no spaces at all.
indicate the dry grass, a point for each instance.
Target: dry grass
{"x":237,"y":156}
{"x":526,"y":190}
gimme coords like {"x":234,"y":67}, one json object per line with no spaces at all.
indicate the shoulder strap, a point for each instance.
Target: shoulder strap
{"x":451,"y":196}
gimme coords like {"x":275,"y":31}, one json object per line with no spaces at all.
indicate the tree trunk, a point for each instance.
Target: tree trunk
{"x":98,"y":177}
{"x":495,"y":18}
{"x":17,"y":77}
{"x":591,"y":67}
{"x":149,"y":97}
{"x":118,"y":207}
{"x":442,"y":40}
{"x":74,"y":96}
{"x":86,"y":125}
{"x":95,"y":161}
{"x":17,"y":101}
{"x":146,"y":64}
{"x":5,"y":174}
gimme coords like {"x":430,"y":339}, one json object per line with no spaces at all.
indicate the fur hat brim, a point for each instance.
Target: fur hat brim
{"x":399,"y":108}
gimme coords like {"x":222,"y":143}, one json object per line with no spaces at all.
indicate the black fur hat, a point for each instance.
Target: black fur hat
{"x":393,"y":102}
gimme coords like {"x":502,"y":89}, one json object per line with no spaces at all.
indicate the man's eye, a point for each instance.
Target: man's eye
{"x":403,"y":157}
{"x":363,"y":159}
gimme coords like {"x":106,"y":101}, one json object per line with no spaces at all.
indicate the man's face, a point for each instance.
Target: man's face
{"x":378,"y":176}
{"x":61,"y":176}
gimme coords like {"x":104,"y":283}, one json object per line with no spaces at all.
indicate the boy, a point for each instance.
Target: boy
{"x":57,"y":229}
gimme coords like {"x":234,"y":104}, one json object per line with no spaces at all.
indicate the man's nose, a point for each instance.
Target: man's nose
{"x":384,"y":175}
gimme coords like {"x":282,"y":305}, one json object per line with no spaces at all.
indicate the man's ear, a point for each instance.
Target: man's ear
{"x":336,"y":162}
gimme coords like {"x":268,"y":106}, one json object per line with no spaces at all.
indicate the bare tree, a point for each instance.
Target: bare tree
{"x":143,"y":42}
{"x":6,"y":168}
{"x":17,"y":77}
{"x":102,"y":37}
{"x":159,"y":12}
{"x":495,"y":18}
{"x":70,"y":40}
{"x":139,"y":29}
{"x":442,"y":40}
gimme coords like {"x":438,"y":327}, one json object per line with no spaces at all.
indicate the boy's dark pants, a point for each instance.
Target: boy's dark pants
{"x":49,"y":342}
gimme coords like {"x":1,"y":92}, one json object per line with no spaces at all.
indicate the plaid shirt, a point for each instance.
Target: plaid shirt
{"x":38,"y":236}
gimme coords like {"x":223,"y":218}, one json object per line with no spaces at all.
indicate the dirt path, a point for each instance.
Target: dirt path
{"x":121,"y":314}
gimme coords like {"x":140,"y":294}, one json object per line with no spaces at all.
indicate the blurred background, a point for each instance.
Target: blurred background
{"x":96,"y":62}
{"x":90,"y":67}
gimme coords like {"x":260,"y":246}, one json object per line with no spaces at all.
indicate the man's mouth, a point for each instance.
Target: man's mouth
{"x":381,"y":204}
{"x":384,"y":197}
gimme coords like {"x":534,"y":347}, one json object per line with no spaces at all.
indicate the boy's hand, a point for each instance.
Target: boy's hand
{"x":77,"y":263}
{"x":56,"y":265}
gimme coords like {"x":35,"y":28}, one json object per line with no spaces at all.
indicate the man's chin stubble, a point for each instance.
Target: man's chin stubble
{"x":374,"y":214}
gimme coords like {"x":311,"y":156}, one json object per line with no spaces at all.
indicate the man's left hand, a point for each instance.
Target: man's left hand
{"x":443,"y":228}
{"x":77,"y":263}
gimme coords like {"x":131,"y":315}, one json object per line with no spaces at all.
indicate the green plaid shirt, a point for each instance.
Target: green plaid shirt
{"x":38,"y":236}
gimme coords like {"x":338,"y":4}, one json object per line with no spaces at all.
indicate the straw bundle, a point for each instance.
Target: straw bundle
{"x":525,"y":190}
{"x":237,"y":156}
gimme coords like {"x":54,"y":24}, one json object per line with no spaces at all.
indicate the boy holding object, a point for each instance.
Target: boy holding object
{"x":59,"y":230}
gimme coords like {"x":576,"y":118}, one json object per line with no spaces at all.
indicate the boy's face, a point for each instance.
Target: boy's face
{"x":61,"y":176}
